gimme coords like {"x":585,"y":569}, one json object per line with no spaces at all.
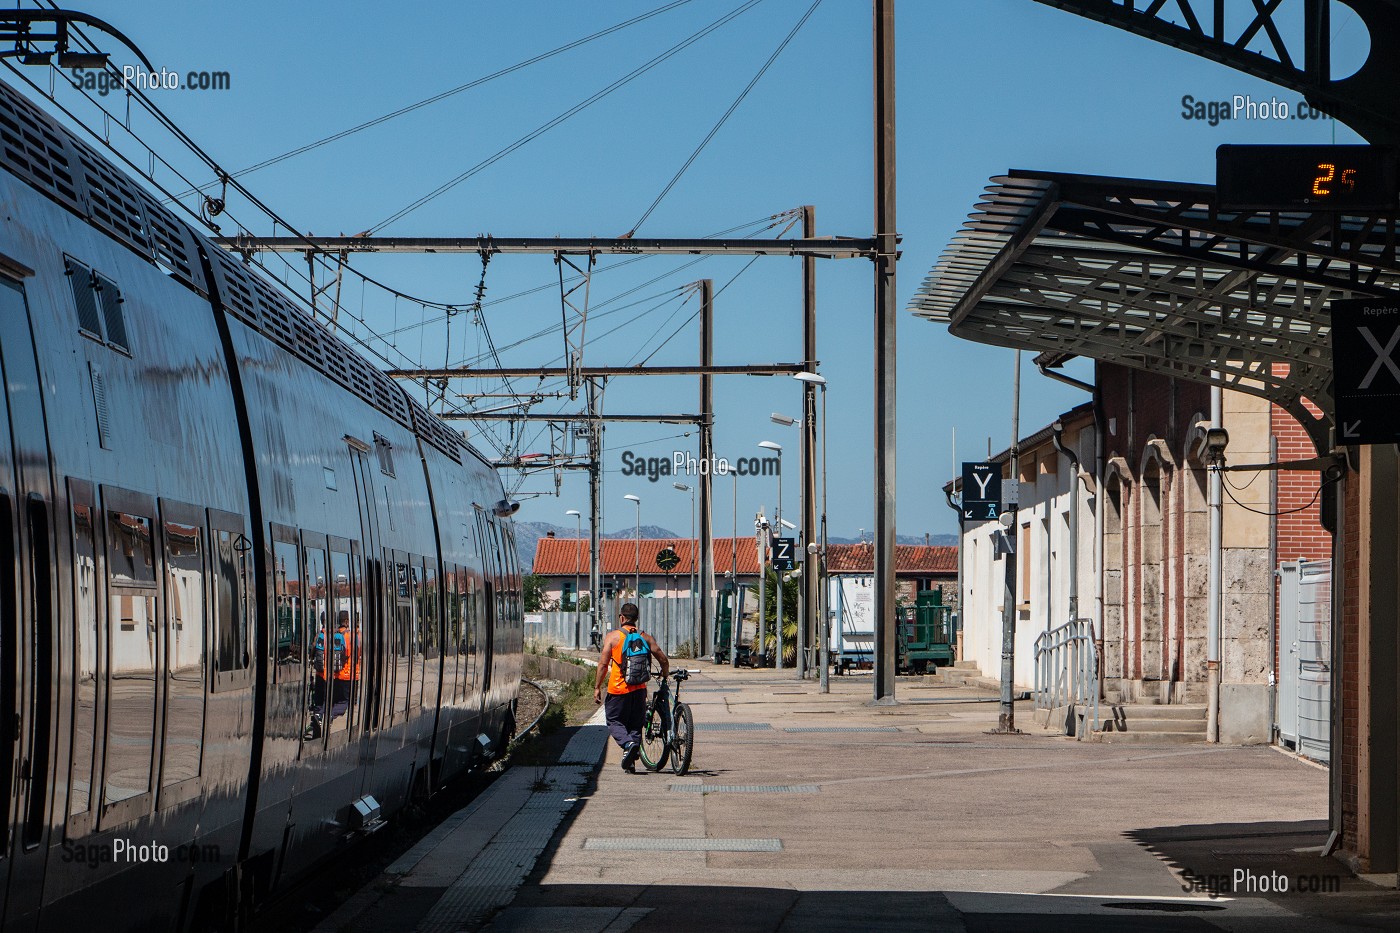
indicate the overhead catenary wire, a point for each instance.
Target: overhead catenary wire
{"x":564,"y":116}
{"x":436,"y":98}
{"x":727,"y":114}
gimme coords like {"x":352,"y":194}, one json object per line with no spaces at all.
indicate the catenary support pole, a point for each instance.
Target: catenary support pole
{"x":707,"y":456}
{"x":886,"y":247}
{"x":1006,"y":720}
{"x":595,"y":510}
{"x":806,"y":617}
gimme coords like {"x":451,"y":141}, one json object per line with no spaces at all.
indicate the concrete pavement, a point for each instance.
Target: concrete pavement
{"x":805,"y":811}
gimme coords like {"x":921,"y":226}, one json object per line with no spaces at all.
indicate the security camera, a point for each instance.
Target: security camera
{"x":1217,"y":439}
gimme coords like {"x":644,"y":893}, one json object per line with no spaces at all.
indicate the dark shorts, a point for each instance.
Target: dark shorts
{"x":625,"y":713}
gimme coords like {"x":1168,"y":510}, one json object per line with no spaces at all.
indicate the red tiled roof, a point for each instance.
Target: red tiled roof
{"x":557,"y":557}
{"x":909,"y":559}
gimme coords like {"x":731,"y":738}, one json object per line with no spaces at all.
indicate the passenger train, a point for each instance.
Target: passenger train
{"x":254,"y":598}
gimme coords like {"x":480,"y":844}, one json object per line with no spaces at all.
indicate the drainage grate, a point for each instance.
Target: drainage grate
{"x":748,"y":788}
{"x":659,"y":844}
{"x":732,"y":727}
{"x":841,"y":729}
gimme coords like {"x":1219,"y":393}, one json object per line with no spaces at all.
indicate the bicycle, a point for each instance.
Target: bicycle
{"x":669,"y":729}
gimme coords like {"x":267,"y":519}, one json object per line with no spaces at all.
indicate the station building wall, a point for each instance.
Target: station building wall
{"x":1048,"y":492}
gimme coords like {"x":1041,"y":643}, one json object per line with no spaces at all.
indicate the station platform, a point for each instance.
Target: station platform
{"x":812,"y":812}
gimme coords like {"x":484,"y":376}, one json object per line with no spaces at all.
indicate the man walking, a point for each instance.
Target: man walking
{"x":626,"y":705}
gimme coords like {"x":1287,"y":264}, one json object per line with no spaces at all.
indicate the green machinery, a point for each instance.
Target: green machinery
{"x":724,"y":626}
{"x":926,"y":636}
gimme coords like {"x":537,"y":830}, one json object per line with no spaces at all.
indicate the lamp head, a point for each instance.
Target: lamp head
{"x":632,"y":498}
{"x":574,"y":512}
{"x":769,"y":445}
{"x":681,"y":486}
{"x":812,"y":378}
{"x":782,"y":419}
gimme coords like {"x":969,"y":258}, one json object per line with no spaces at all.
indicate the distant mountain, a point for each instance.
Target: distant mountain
{"x":945,"y":540}
{"x":648,"y":531}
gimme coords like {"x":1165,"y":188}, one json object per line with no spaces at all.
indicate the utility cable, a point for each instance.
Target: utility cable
{"x":727,"y":114}
{"x":410,"y":108}
{"x":572,"y":111}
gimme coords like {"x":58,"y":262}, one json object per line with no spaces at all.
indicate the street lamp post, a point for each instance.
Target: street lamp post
{"x":778,"y":527}
{"x":578,"y":548}
{"x":804,"y":536}
{"x":823,"y":596}
{"x":637,"y":578}
{"x":693,"y":548}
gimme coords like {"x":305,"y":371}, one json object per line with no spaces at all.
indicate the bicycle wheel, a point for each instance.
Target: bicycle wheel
{"x":684,"y":741}
{"x":654,"y":747}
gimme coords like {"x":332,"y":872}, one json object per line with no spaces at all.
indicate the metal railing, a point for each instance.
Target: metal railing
{"x":1066,"y":671}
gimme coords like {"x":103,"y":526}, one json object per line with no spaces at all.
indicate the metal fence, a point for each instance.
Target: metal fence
{"x":671,"y":621}
{"x":1304,"y":708}
{"x":1066,"y":670}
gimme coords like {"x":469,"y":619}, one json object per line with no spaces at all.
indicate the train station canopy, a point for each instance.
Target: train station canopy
{"x":1150,"y":274}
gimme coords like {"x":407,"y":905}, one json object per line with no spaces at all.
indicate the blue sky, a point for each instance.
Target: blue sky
{"x":982,"y":87}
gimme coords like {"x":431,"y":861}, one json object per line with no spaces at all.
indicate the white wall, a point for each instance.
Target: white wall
{"x":1043,"y":523}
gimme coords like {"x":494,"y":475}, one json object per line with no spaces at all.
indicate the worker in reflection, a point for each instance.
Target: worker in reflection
{"x":324,"y":666}
{"x":349,"y":671}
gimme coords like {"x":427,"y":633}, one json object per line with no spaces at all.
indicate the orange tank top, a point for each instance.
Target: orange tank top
{"x":616,"y":685}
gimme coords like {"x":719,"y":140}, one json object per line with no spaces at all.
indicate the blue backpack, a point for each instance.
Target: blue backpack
{"x":636,"y":659}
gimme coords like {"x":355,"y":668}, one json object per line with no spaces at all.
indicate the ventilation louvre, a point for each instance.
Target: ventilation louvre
{"x":99,"y":403}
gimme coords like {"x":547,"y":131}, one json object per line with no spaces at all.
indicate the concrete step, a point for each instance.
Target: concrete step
{"x":1150,"y":738}
{"x":1140,"y":711}
{"x":965,"y":665}
{"x":1154,"y":725}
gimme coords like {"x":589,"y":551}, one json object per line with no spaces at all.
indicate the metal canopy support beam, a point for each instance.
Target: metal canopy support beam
{"x":1364,"y":101}
{"x":827,"y":248}
{"x":555,"y":372}
{"x":886,"y":310}
{"x":1153,"y":276}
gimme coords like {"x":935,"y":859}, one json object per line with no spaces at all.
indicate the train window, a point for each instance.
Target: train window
{"x":470,"y":614}
{"x":403,"y":636}
{"x":386,"y":454}
{"x":452,"y":638}
{"x":132,"y":645}
{"x":109,"y":299}
{"x":415,"y":575}
{"x":317,"y":605}
{"x":130,"y":557}
{"x":185,"y":678}
{"x":230,"y":555}
{"x":287,"y":643}
{"x":432,"y":633}
{"x":84,"y":298}
{"x":85,"y":649}
{"x":344,"y":665}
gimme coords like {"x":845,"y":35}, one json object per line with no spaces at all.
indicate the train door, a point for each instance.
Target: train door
{"x":370,"y":631}
{"x":28,"y":662}
{"x":491,"y":577}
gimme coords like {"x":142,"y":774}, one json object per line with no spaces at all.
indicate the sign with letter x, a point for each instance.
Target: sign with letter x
{"x":1366,"y":370}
